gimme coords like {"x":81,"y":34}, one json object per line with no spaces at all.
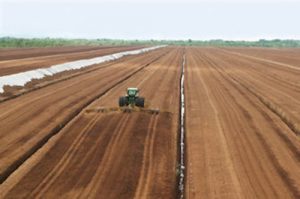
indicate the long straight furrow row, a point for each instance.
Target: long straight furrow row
{"x":135,"y":152}
{"x":143,"y":184}
{"x":244,"y":89}
{"x":263,"y":153}
{"x":38,"y":126}
{"x":20,"y":64}
{"x":239,"y":133}
{"x":282,"y":99}
{"x":286,"y":175}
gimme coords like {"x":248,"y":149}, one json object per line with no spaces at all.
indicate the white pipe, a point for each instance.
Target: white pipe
{"x":182,"y":132}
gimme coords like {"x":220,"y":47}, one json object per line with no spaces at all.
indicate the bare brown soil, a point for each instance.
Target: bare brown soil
{"x":286,"y":55}
{"x":11,"y":92}
{"x":277,"y":85}
{"x":242,"y":129}
{"x":237,"y":146}
{"x":19,"y":53}
{"x":126,"y":154}
{"x":36,"y":60}
{"x":31,"y":118}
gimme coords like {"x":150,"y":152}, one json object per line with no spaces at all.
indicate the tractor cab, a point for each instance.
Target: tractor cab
{"x":132,"y":92}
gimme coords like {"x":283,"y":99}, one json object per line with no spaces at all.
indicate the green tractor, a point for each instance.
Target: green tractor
{"x":132,"y":99}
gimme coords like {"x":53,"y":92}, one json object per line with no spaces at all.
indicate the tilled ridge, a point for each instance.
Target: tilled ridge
{"x":123,"y":154}
{"x":27,"y":154}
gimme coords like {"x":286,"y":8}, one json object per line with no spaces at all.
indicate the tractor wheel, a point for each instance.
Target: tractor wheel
{"x":122,"y":101}
{"x":140,"y":102}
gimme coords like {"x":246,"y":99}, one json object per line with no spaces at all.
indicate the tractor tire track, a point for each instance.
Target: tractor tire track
{"x":122,"y":146}
{"x":52,"y":176}
{"x":145,"y":176}
{"x":14,"y":165}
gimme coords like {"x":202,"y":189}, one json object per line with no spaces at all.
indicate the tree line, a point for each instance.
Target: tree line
{"x":11,"y":42}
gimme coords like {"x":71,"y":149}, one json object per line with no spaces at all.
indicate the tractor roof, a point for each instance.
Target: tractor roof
{"x":131,"y":88}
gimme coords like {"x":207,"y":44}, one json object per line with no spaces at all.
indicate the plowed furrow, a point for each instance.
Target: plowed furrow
{"x":48,"y":131}
{"x":123,"y":155}
{"x":261,"y":159}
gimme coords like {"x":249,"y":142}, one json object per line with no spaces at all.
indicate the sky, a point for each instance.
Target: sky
{"x":151,"y":19}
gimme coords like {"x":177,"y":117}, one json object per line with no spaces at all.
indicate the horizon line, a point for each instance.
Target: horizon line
{"x":149,"y":39}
